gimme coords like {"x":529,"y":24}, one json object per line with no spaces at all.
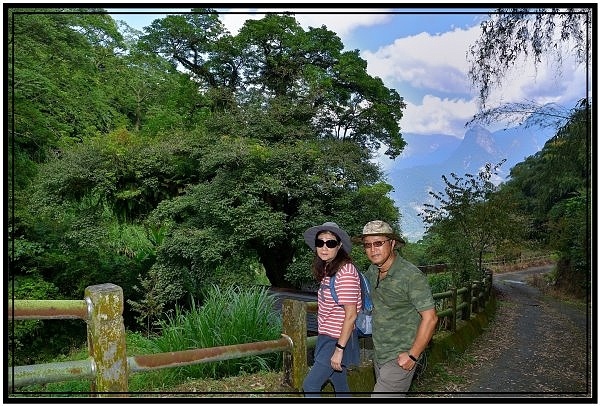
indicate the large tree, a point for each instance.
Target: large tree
{"x":233,"y":146}
{"x":275,"y":64}
{"x":294,"y":122}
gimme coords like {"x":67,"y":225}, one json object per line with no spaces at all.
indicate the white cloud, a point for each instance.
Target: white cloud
{"x":424,"y":67}
{"x":333,"y":19}
{"x":425,"y":60}
{"x":342,"y":24}
{"x":438,"y":116}
{"x":542,"y":84}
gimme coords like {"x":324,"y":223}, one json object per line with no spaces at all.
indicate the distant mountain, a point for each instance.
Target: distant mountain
{"x":427,"y":157}
{"x":426,"y":150}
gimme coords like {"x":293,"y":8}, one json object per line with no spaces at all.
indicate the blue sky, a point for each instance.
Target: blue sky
{"x":420,"y":52}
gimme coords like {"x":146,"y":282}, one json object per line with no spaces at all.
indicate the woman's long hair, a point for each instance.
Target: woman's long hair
{"x":321,"y":268}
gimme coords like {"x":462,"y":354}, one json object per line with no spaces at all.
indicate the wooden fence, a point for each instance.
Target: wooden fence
{"x":108,"y":366}
{"x":497,"y":264}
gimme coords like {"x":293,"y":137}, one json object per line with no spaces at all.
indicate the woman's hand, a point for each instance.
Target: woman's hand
{"x":336,"y":359}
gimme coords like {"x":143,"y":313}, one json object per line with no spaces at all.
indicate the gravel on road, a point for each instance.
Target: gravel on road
{"x":535,"y":347}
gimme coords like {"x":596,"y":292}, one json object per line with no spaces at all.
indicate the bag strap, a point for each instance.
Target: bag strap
{"x":332,"y":288}
{"x":365,"y":288}
{"x":365,"y":291}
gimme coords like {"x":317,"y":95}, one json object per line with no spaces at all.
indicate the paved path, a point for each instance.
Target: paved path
{"x":535,"y":346}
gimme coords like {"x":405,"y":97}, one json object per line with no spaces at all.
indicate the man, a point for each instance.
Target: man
{"x":404,"y":315}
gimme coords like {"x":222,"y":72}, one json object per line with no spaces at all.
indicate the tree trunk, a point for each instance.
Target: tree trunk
{"x":276,"y":260}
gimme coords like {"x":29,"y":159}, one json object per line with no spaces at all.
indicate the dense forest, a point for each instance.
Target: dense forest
{"x":167,"y":160}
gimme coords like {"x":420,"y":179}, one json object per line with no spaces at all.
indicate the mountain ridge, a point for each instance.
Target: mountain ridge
{"x":429,"y":157}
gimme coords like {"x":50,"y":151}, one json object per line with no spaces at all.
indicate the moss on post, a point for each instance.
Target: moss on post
{"x":106,"y":337}
{"x":295,"y":363}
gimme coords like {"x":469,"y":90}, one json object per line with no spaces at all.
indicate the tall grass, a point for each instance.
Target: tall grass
{"x":227,"y":316}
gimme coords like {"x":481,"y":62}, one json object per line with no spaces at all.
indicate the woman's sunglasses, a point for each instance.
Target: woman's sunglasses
{"x":329,"y":243}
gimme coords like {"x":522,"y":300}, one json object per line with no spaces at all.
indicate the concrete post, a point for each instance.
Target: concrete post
{"x":295,"y":363}
{"x":106,"y":337}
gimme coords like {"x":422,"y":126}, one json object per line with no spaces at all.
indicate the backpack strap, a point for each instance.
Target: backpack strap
{"x":332,"y":288}
{"x":365,"y":291}
{"x":365,"y":288}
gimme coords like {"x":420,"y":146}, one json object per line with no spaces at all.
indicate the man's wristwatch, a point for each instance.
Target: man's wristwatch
{"x":341,"y":347}
{"x":412,"y":357}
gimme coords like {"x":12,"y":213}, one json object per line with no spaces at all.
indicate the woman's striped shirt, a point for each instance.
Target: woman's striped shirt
{"x":347,"y":286}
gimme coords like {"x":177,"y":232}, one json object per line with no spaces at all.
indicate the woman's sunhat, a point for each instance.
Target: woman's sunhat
{"x":311,"y":234}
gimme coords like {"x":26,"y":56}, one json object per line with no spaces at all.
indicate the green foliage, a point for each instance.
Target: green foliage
{"x":570,"y":230}
{"x":553,"y":187}
{"x":125,"y":171}
{"x":75,"y":244}
{"x":31,"y":287}
{"x":154,"y":292}
{"x":442,"y":282}
{"x":27,"y":333}
{"x":470,"y":221}
{"x":416,"y":253}
{"x":69,"y":212}
{"x":55,"y":55}
{"x":256,"y":202}
{"x":227,"y":316}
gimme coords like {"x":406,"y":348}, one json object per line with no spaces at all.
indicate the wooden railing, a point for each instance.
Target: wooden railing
{"x":504,"y":264}
{"x":496,"y":264}
{"x":109,"y":368}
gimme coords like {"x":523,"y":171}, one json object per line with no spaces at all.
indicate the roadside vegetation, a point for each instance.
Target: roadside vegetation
{"x":227,"y":316}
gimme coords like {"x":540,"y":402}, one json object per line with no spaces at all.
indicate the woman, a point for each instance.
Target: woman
{"x":337,"y":342}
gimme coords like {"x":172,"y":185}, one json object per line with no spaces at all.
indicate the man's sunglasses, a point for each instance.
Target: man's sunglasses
{"x":329,"y":243}
{"x":376,"y":244}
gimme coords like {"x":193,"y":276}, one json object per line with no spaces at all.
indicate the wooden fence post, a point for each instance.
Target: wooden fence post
{"x":466,"y":298}
{"x":488,"y":284}
{"x":482,"y":294}
{"x":106,"y":337}
{"x":295,"y":362}
{"x":475,"y":298}
{"x":454,"y":305}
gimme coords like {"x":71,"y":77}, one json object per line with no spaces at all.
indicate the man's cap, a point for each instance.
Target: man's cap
{"x":378,"y":227}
